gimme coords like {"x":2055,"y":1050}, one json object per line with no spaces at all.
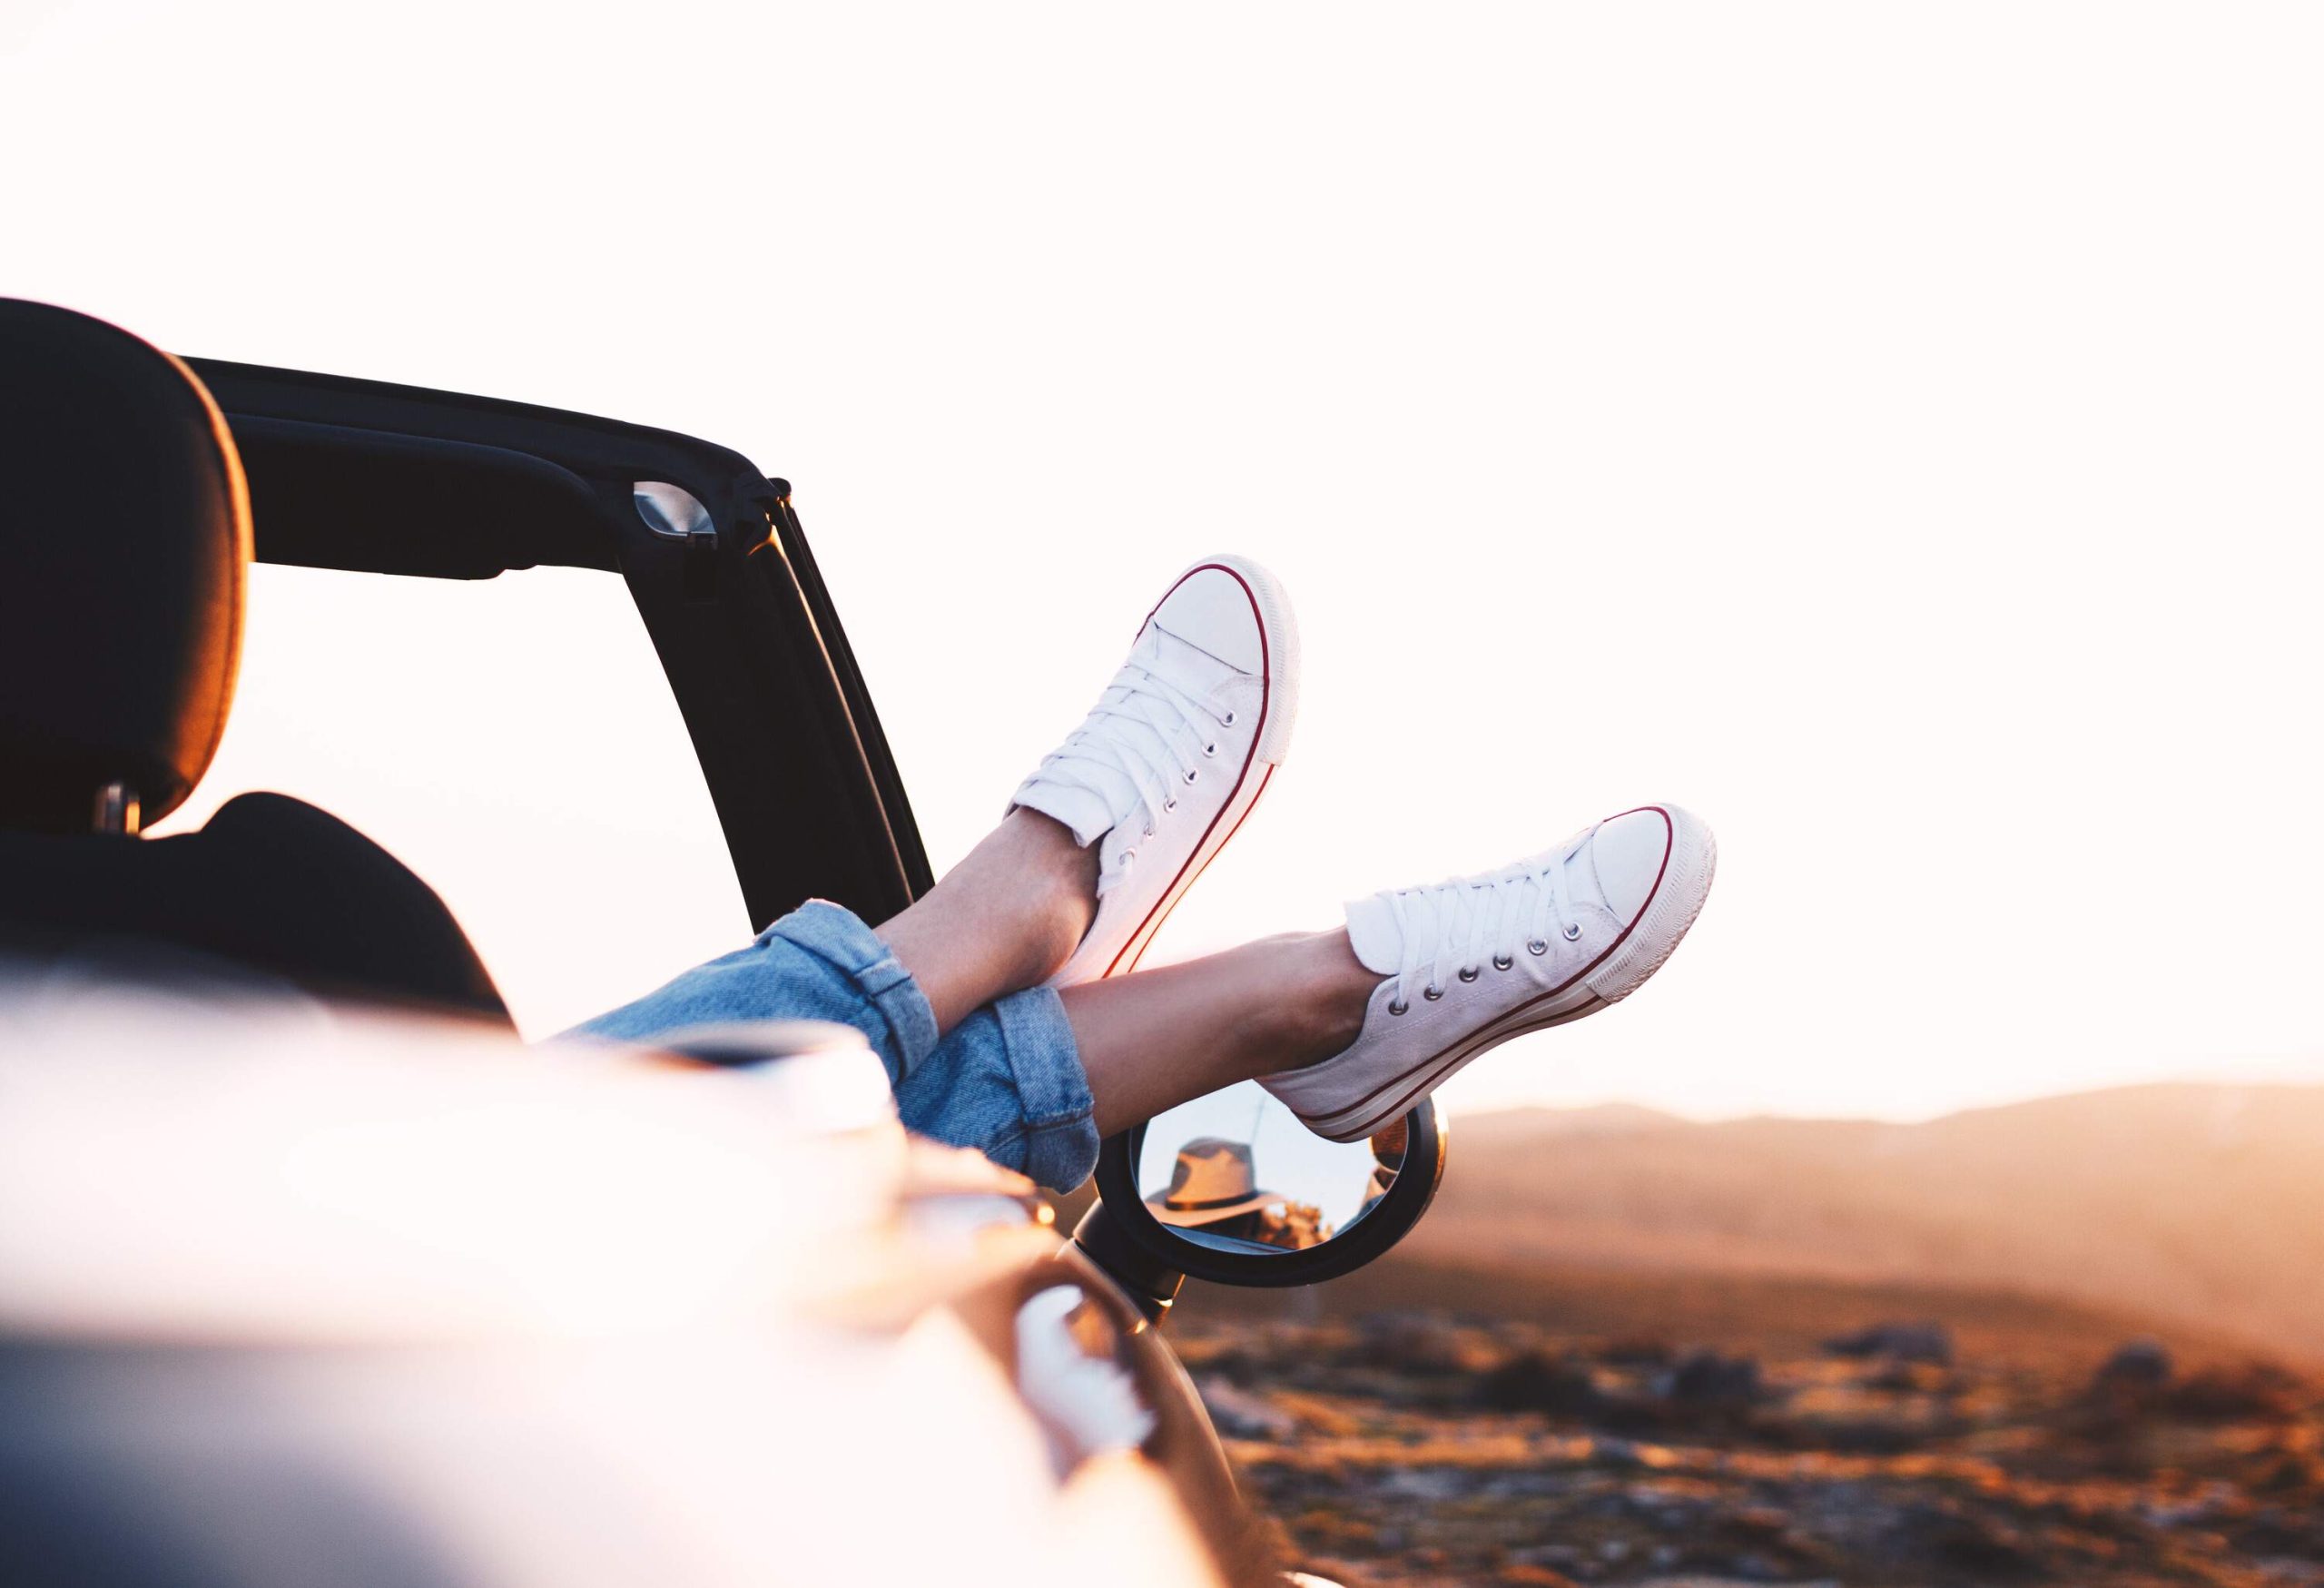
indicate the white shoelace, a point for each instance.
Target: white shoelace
{"x":1145,"y":730}
{"x":1452,"y":925}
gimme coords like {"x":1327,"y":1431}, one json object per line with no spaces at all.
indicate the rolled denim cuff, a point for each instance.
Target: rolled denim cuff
{"x":1061,"y":1133}
{"x":837,"y":936}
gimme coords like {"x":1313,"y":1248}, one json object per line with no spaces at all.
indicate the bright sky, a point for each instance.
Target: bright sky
{"x":1892,"y":432}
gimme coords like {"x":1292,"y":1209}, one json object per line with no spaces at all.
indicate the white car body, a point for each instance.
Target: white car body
{"x":293,"y":1295}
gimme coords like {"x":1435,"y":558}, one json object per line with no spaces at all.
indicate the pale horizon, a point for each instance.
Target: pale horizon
{"x":1909,"y":468}
{"x":2299,"y":1072}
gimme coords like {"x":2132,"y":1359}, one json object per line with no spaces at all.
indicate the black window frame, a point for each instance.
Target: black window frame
{"x":368,"y":477}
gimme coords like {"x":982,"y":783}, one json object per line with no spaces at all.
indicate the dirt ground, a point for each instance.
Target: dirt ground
{"x":1608,"y":1429}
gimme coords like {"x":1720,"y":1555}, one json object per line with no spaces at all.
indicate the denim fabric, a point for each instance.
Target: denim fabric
{"x":1006,"y":1080}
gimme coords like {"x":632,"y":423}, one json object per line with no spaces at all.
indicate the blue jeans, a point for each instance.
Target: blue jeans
{"x":1007,"y":1081}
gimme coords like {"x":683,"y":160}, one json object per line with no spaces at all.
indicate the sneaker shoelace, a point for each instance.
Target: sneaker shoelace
{"x":1146,"y":731}
{"x":1454,"y":924}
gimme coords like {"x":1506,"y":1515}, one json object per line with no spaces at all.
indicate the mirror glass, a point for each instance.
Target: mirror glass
{"x":1236,"y":1170}
{"x":670,"y":510}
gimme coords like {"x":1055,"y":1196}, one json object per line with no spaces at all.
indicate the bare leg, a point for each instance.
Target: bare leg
{"x":1155,"y":1040}
{"x":1011,"y":913}
{"x":1002,"y":920}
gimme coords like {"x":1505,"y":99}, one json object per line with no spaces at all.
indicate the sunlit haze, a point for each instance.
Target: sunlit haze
{"x":1892,"y":433}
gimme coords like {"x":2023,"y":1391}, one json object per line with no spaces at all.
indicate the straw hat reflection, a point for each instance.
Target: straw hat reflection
{"x":1213,"y":1179}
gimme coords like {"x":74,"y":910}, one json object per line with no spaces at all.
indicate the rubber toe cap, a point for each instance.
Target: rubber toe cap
{"x":1631,"y":852}
{"x":1213,"y":609}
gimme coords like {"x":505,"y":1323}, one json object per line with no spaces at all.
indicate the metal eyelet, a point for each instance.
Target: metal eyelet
{"x":1191,"y":775}
{"x":1468,"y":972}
{"x":1228,"y":720}
{"x":1150,"y":831}
{"x":1539,"y":945}
{"x":1170,"y":805}
{"x":1498,"y":964}
{"x":1398,"y":1006}
{"x":1572,"y":930}
{"x":1431,"y":992}
{"x":1211,"y":749}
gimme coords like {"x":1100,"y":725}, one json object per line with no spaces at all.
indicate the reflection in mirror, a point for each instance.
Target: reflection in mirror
{"x":1236,"y":1170}
{"x":670,"y":510}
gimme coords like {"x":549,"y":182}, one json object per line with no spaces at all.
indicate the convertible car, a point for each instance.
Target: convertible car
{"x":311,"y":1270}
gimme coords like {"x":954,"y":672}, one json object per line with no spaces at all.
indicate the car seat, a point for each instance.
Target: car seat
{"x":124,"y":551}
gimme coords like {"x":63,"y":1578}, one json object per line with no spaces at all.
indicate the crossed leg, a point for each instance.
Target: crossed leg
{"x":1347,"y":1028}
{"x":1012,"y":911}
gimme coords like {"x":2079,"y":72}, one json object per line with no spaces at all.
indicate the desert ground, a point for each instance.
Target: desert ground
{"x":2073,"y":1342}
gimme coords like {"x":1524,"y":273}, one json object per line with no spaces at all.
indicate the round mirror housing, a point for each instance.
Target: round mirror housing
{"x":1233,"y":1189}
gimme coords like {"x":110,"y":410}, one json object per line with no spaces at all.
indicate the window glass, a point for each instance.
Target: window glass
{"x":513,"y":741}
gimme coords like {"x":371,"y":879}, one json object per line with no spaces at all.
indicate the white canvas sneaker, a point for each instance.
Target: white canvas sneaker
{"x":1176,"y":751}
{"x":1474,"y":962}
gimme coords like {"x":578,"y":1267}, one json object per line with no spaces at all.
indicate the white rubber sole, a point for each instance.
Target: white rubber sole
{"x":1670,"y":909}
{"x":1279,"y":632}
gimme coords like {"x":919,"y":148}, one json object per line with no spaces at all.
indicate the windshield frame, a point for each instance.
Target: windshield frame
{"x":374,"y":477}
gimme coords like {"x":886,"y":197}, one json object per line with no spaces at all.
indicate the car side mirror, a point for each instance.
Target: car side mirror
{"x":1232,"y":1187}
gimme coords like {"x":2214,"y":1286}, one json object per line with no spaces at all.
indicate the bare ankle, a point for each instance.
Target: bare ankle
{"x":1059,"y":877}
{"x":1331,"y":995}
{"x":1004,"y":919}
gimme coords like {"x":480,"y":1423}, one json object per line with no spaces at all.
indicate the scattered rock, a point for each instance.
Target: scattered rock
{"x":1427,"y":1483}
{"x":2285,"y":1533}
{"x":2287,"y":1470}
{"x":1898,"y":1342}
{"x":2226,"y":1395}
{"x":1766,"y":1521}
{"x":2129,"y":1385}
{"x":1910,"y":1378}
{"x":2138,"y":1368}
{"x":1608,"y":1450}
{"x":1637,"y":1352}
{"x":1982,"y":1547}
{"x":1536,"y":1381}
{"x":1706,"y":1378}
{"x":1423,"y":1345}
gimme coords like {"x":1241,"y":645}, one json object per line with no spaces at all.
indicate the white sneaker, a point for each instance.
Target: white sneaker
{"x":1176,"y":751}
{"x":1474,"y":962}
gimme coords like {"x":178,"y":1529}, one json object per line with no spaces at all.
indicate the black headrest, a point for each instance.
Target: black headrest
{"x":125,"y":535}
